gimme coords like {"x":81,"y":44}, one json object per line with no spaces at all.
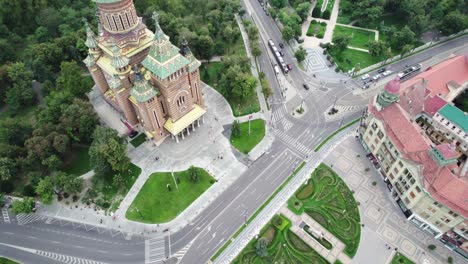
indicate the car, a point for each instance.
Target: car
{"x":381,"y":70}
{"x":376,"y":77}
{"x":133,"y":134}
{"x":305,"y":86}
{"x":281,"y":53}
{"x":290,"y":67}
{"x":400,"y":74}
{"x":281,"y":45}
{"x":277,"y":71}
{"x":365,"y":76}
{"x":387,"y":72}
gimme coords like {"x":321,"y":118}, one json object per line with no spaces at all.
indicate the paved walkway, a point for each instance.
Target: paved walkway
{"x":354,"y":48}
{"x":331,"y":255}
{"x":327,"y":38}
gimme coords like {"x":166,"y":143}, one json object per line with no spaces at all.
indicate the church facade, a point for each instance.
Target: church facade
{"x":154,"y":85}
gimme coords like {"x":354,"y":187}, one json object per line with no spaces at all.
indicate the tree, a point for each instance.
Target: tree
{"x":303,"y":10}
{"x":107,"y":151}
{"x":7,"y":169}
{"x":300,"y":54}
{"x":404,"y":37}
{"x":70,"y":79}
{"x":118,"y":181}
{"x":406,"y":49}
{"x":2,"y":199}
{"x":341,"y":42}
{"x":453,"y":23}
{"x":53,"y":162}
{"x":367,"y":11}
{"x":193,"y":174}
{"x":26,"y":206}
{"x":20,"y":94}
{"x":256,"y":51}
{"x":244,"y":86}
{"x":68,"y":183}
{"x":376,"y":48}
{"x":252,"y":32}
{"x":235,"y":129}
{"x":205,"y":47}
{"x":266,"y":89}
{"x":287,"y":33}
{"x":261,"y":248}
{"x":79,"y":120}
{"x":45,"y":190}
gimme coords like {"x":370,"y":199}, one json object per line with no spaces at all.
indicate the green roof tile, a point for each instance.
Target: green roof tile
{"x":455,"y":115}
{"x":142,"y":90}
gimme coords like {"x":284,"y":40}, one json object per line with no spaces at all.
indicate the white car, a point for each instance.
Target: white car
{"x":365,"y":76}
{"x":386,"y":73}
{"x":376,"y":77}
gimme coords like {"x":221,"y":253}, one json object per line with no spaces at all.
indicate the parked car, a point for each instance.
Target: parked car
{"x":305,"y":86}
{"x":376,"y":77}
{"x":387,"y":72}
{"x":277,"y":70}
{"x":365,"y":87}
{"x":133,"y":134}
{"x":381,"y":70}
{"x":281,"y":45}
{"x":290,"y":67}
{"x":365,"y":76}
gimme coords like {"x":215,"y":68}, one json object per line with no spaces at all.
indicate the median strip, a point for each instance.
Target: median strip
{"x":334,"y":133}
{"x":228,"y":242}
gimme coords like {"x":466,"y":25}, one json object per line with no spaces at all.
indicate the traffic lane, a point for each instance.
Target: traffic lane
{"x":240,"y":209}
{"x":25,"y":257}
{"x":63,"y":243}
{"x":189,"y":232}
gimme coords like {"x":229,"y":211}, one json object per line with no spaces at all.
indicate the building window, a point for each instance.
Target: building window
{"x":376,"y":141}
{"x":400,"y":164}
{"x":121,"y":21}
{"x":162,"y":107}
{"x":391,"y":176}
{"x":380,"y":134}
{"x":438,"y":204}
{"x":374,"y":126}
{"x":452,"y":213}
{"x":407,"y":201}
{"x":418,"y":189}
{"x":412,"y":195}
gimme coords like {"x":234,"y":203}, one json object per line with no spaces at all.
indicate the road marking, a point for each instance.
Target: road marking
{"x":6,"y":217}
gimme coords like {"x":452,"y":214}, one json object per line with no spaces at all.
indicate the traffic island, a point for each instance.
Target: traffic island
{"x":330,"y":202}
{"x":165,"y":195}
{"x":244,"y":141}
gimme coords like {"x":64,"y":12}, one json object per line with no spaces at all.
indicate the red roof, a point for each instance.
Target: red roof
{"x":393,"y":86}
{"x":448,"y":151}
{"x":453,"y":69}
{"x":433,"y":104}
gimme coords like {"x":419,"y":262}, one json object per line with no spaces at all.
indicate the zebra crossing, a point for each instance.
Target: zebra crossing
{"x":24,"y":219}
{"x":279,"y":116}
{"x":293,"y":143}
{"x":6,"y":217}
{"x":155,"y":250}
{"x":65,"y":258}
{"x":182,"y":252}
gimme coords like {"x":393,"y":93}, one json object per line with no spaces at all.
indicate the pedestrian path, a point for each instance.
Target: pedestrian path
{"x":24,"y":219}
{"x":314,"y":62}
{"x":279,"y":116}
{"x":292,"y":142}
{"x":6,"y":217}
{"x":336,"y":253}
{"x":65,"y":258}
{"x":155,"y":250}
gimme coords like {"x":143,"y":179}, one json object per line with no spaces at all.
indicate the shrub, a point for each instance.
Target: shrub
{"x":66,"y":195}
{"x":326,"y":14}
{"x":337,"y":69}
{"x":328,"y":57}
{"x":374,"y":183}
{"x":325,"y":52}
{"x":319,"y":35}
{"x":323,"y":23}
{"x":75,"y":198}
{"x":450,"y":260}
{"x":316,"y":13}
{"x":431,"y":247}
{"x":28,"y":190}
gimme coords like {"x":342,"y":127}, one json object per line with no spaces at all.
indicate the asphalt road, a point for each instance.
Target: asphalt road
{"x":222,"y":218}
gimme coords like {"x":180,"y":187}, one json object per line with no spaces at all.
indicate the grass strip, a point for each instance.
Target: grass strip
{"x":334,"y":133}
{"x":228,"y":242}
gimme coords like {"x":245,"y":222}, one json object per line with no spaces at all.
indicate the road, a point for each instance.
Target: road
{"x":196,"y":243}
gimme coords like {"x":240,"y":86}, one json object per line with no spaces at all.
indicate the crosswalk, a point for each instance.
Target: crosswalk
{"x":155,"y":250}
{"x":6,"y":217}
{"x":65,"y":258}
{"x":24,"y":219}
{"x":314,"y":62}
{"x":279,"y":117}
{"x":293,"y":143}
{"x":182,"y":252}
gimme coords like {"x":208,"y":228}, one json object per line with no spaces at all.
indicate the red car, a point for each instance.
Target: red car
{"x":290,"y":67}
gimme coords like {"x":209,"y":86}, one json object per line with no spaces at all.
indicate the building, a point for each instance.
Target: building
{"x":417,"y":139}
{"x":154,"y":85}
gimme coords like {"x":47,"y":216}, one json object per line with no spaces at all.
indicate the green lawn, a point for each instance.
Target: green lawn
{"x":330,"y":202}
{"x":211,"y":72}
{"x":77,"y":162}
{"x":359,"y":37}
{"x":401,"y":259}
{"x":316,"y":29}
{"x":25,"y":115}
{"x":283,"y":246}
{"x":246,"y":142}
{"x":110,"y":193}
{"x":358,"y":59}
{"x":7,"y":261}
{"x":156,"y":204}
{"x":137,"y":141}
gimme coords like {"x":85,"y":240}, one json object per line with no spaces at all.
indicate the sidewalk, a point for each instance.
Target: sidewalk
{"x":328,"y":37}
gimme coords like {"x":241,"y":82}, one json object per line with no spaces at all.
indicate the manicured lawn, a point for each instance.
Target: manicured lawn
{"x":359,"y":37}
{"x":245,"y":142}
{"x":140,"y":139}
{"x":401,"y":259}
{"x":283,"y":247}
{"x":78,"y":161}
{"x":357,"y":58}
{"x":156,"y":204}
{"x":316,"y":29}
{"x":7,"y":261}
{"x":332,"y":205}
{"x":112,"y":194}
{"x":211,"y":72}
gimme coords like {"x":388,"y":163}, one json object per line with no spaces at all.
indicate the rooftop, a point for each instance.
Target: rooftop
{"x":455,"y":115}
{"x":433,"y":104}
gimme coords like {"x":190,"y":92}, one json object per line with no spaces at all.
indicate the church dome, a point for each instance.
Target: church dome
{"x":393,"y":86}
